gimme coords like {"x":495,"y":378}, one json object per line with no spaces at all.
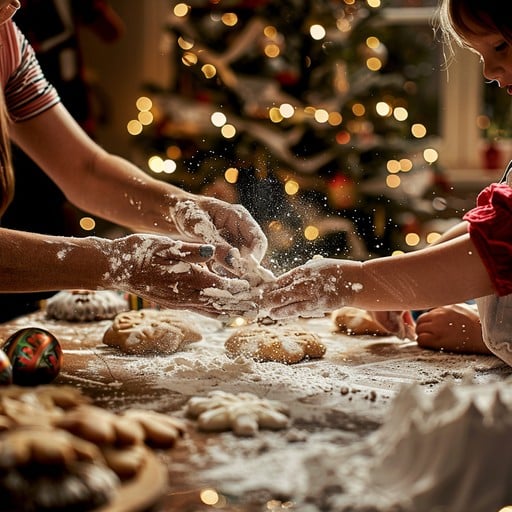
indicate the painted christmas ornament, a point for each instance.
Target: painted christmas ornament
{"x":5,"y":369}
{"x":35,"y":355}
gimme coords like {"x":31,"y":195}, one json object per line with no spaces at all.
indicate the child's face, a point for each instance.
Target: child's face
{"x":495,"y":53}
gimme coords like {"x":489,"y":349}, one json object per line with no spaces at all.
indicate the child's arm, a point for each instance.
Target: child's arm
{"x":447,"y":273}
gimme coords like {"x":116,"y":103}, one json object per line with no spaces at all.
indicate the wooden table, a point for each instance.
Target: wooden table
{"x":338,"y":400}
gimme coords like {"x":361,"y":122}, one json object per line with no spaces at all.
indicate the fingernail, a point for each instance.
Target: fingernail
{"x":230,"y":257}
{"x":206,"y":251}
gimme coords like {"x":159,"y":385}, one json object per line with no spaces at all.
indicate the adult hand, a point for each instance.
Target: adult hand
{"x":172,"y":274}
{"x":313,"y":289}
{"x":230,"y":228}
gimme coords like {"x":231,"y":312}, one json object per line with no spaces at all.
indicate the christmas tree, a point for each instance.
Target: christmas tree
{"x":307,"y":112}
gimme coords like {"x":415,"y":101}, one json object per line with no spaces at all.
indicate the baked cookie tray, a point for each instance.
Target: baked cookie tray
{"x":337,"y":405}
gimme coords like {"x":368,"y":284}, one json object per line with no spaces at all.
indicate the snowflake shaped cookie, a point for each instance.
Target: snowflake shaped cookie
{"x":243,"y":413}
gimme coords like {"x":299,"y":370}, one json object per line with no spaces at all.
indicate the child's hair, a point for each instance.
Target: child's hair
{"x":6,"y":170}
{"x":457,"y":19}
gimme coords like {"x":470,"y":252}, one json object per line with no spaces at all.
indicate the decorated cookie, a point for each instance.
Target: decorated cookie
{"x":85,"y":305}
{"x":244,"y":413}
{"x":150,"y":331}
{"x":283,"y":344}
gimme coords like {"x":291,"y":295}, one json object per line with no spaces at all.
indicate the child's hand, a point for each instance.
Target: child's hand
{"x":313,"y":289}
{"x":454,"y":328}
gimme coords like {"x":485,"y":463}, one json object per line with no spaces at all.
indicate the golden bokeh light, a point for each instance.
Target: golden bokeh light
{"x":180,"y":10}
{"x":373,"y":63}
{"x":209,"y":496}
{"x":393,"y":166}
{"x":335,"y":118}
{"x":412,"y":239}
{"x":145,"y":118}
{"x":185,"y":44}
{"x":144,"y":104}
{"x":400,"y":114}
{"x":229,"y":19}
{"x":405,"y":164}
{"x":275,"y":115}
{"x":189,"y":59}
{"x":383,"y":109}
{"x":218,"y":119}
{"x":209,"y":70}
{"x":156,"y":164}
{"x":231,"y":175}
{"x":317,"y":32}
{"x":393,"y":181}
{"x":87,"y":223}
{"x":291,"y":187}
{"x":286,"y":110}
{"x":430,"y":155}
{"x":321,"y":115}
{"x":433,"y":237}
{"x":311,"y":233}
{"x":228,"y":131}
{"x":418,"y":130}
{"x":372,"y":42}
{"x":272,"y":50}
{"x":134,"y":127}
{"x":358,"y":109}
{"x":270,"y":32}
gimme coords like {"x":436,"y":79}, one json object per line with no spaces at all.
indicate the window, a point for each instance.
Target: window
{"x":464,"y":100}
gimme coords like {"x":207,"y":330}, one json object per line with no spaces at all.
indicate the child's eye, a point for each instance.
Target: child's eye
{"x":500,"y":47}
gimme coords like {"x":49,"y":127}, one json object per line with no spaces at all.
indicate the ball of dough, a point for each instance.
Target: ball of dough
{"x":350,"y":320}
{"x":280,"y":343}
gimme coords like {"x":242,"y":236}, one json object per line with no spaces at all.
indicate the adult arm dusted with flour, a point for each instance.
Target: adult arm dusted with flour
{"x":153,"y":264}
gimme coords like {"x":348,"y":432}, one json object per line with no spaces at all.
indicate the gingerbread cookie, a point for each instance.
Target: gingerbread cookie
{"x":72,"y":455}
{"x":150,"y":331}
{"x":85,"y":305}
{"x":280,"y":343}
{"x":51,"y":470}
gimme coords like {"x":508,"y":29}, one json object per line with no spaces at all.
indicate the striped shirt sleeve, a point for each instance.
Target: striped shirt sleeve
{"x":27,"y":92}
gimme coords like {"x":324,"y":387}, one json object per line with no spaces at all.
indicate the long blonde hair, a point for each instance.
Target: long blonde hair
{"x":6,"y":170}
